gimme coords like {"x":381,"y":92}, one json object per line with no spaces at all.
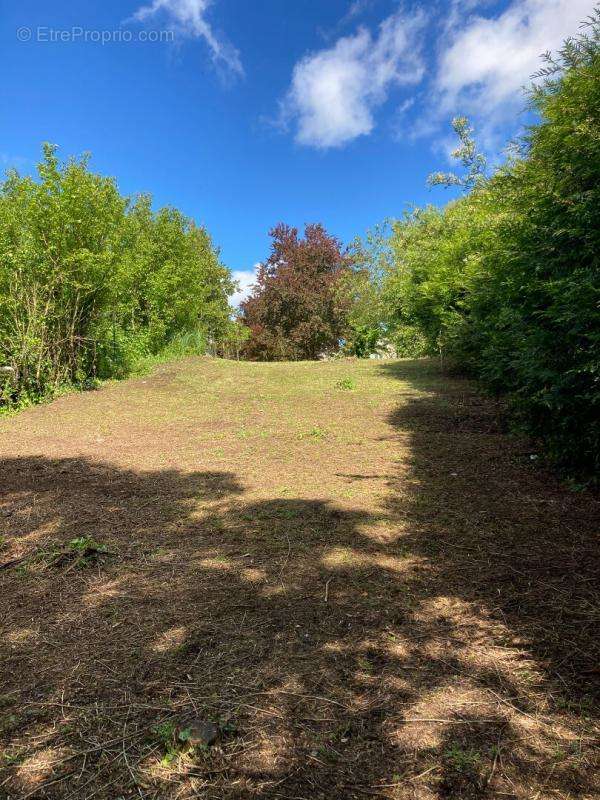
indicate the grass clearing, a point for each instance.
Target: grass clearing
{"x":401,"y":605}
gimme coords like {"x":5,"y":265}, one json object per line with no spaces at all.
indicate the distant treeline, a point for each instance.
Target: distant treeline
{"x":92,"y":282}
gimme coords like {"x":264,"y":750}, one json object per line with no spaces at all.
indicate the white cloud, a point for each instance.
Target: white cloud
{"x":485,"y":62}
{"x":356,"y":8}
{"x":245,"y":279}
{"x":335,"y":91}
{"x":188,"y":18}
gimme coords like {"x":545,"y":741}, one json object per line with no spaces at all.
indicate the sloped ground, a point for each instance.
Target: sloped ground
{"x":348,"y":567}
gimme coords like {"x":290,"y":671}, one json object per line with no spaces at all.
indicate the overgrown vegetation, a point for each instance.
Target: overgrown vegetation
{"x":505,"y":281}
{"x":92,"y":282}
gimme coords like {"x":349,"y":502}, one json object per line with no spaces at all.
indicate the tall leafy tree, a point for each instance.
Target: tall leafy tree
{"x":297,"y":310}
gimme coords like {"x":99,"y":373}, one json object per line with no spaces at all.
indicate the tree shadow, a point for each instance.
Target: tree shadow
{"x":517,"y":553}
{"x":407,"y":652}
{"x":502,"y":532}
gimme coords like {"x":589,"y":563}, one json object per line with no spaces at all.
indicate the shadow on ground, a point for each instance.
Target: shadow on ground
{"x":441,"y":645}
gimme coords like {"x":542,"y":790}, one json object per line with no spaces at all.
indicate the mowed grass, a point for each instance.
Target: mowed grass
{"x":347,"y":567}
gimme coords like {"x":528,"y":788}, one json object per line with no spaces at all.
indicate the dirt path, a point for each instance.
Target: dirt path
{"x":347,"y":567}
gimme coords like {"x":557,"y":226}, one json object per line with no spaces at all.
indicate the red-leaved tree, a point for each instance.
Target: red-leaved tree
{"x":298,"y":308}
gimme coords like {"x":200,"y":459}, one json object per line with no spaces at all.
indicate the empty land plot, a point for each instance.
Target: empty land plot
{"x":348,"y":568}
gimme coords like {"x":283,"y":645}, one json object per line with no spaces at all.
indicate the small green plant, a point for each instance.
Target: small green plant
{"x":78,"y":552}
{"x":346,"y":384}
{"x":9,"y":759}
{"x":87,"y":549}
{"x":90,"y":384}
{"x":462,"y":760}
{"x":184,"y":735}
{"x":165,"y":733}
{"x":83,"y":543}
{"x":287,"y":513}
{"x":316,"y":433}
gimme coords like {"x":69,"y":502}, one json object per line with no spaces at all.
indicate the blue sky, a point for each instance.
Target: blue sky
{"x":249,"y":113}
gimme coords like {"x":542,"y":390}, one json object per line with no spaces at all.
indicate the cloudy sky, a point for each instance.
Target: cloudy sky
{"x":243,"y":114}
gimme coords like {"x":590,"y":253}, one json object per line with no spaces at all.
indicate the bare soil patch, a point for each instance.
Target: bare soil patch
{"x":247,"y":581}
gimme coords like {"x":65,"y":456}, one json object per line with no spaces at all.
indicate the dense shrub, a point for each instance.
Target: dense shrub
{"x":91,"y":282}
{"x":506,"y":280}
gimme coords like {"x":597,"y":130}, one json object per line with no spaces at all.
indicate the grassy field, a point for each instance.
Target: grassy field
{"x":347,"y":567}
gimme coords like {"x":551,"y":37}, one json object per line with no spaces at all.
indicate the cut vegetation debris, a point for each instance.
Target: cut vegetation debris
{"x":405,"y":607}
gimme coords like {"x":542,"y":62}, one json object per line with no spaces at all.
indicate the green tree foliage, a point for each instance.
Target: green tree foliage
{"x":234,"y":339}
{"x":437,"y":259}
{"x":297,"y":310}
{"x":91,"y":281}
{"x":373,"y":321}
{"x":362,"y":287}
{"x":365,"y":328}
{"x":506,"y":280}
{"x":473,"y":162}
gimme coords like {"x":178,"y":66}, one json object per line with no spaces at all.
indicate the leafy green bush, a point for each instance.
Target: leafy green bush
{"x":346,"y":384}
{"x":505,"y":281}
{"x":92,"y":282}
